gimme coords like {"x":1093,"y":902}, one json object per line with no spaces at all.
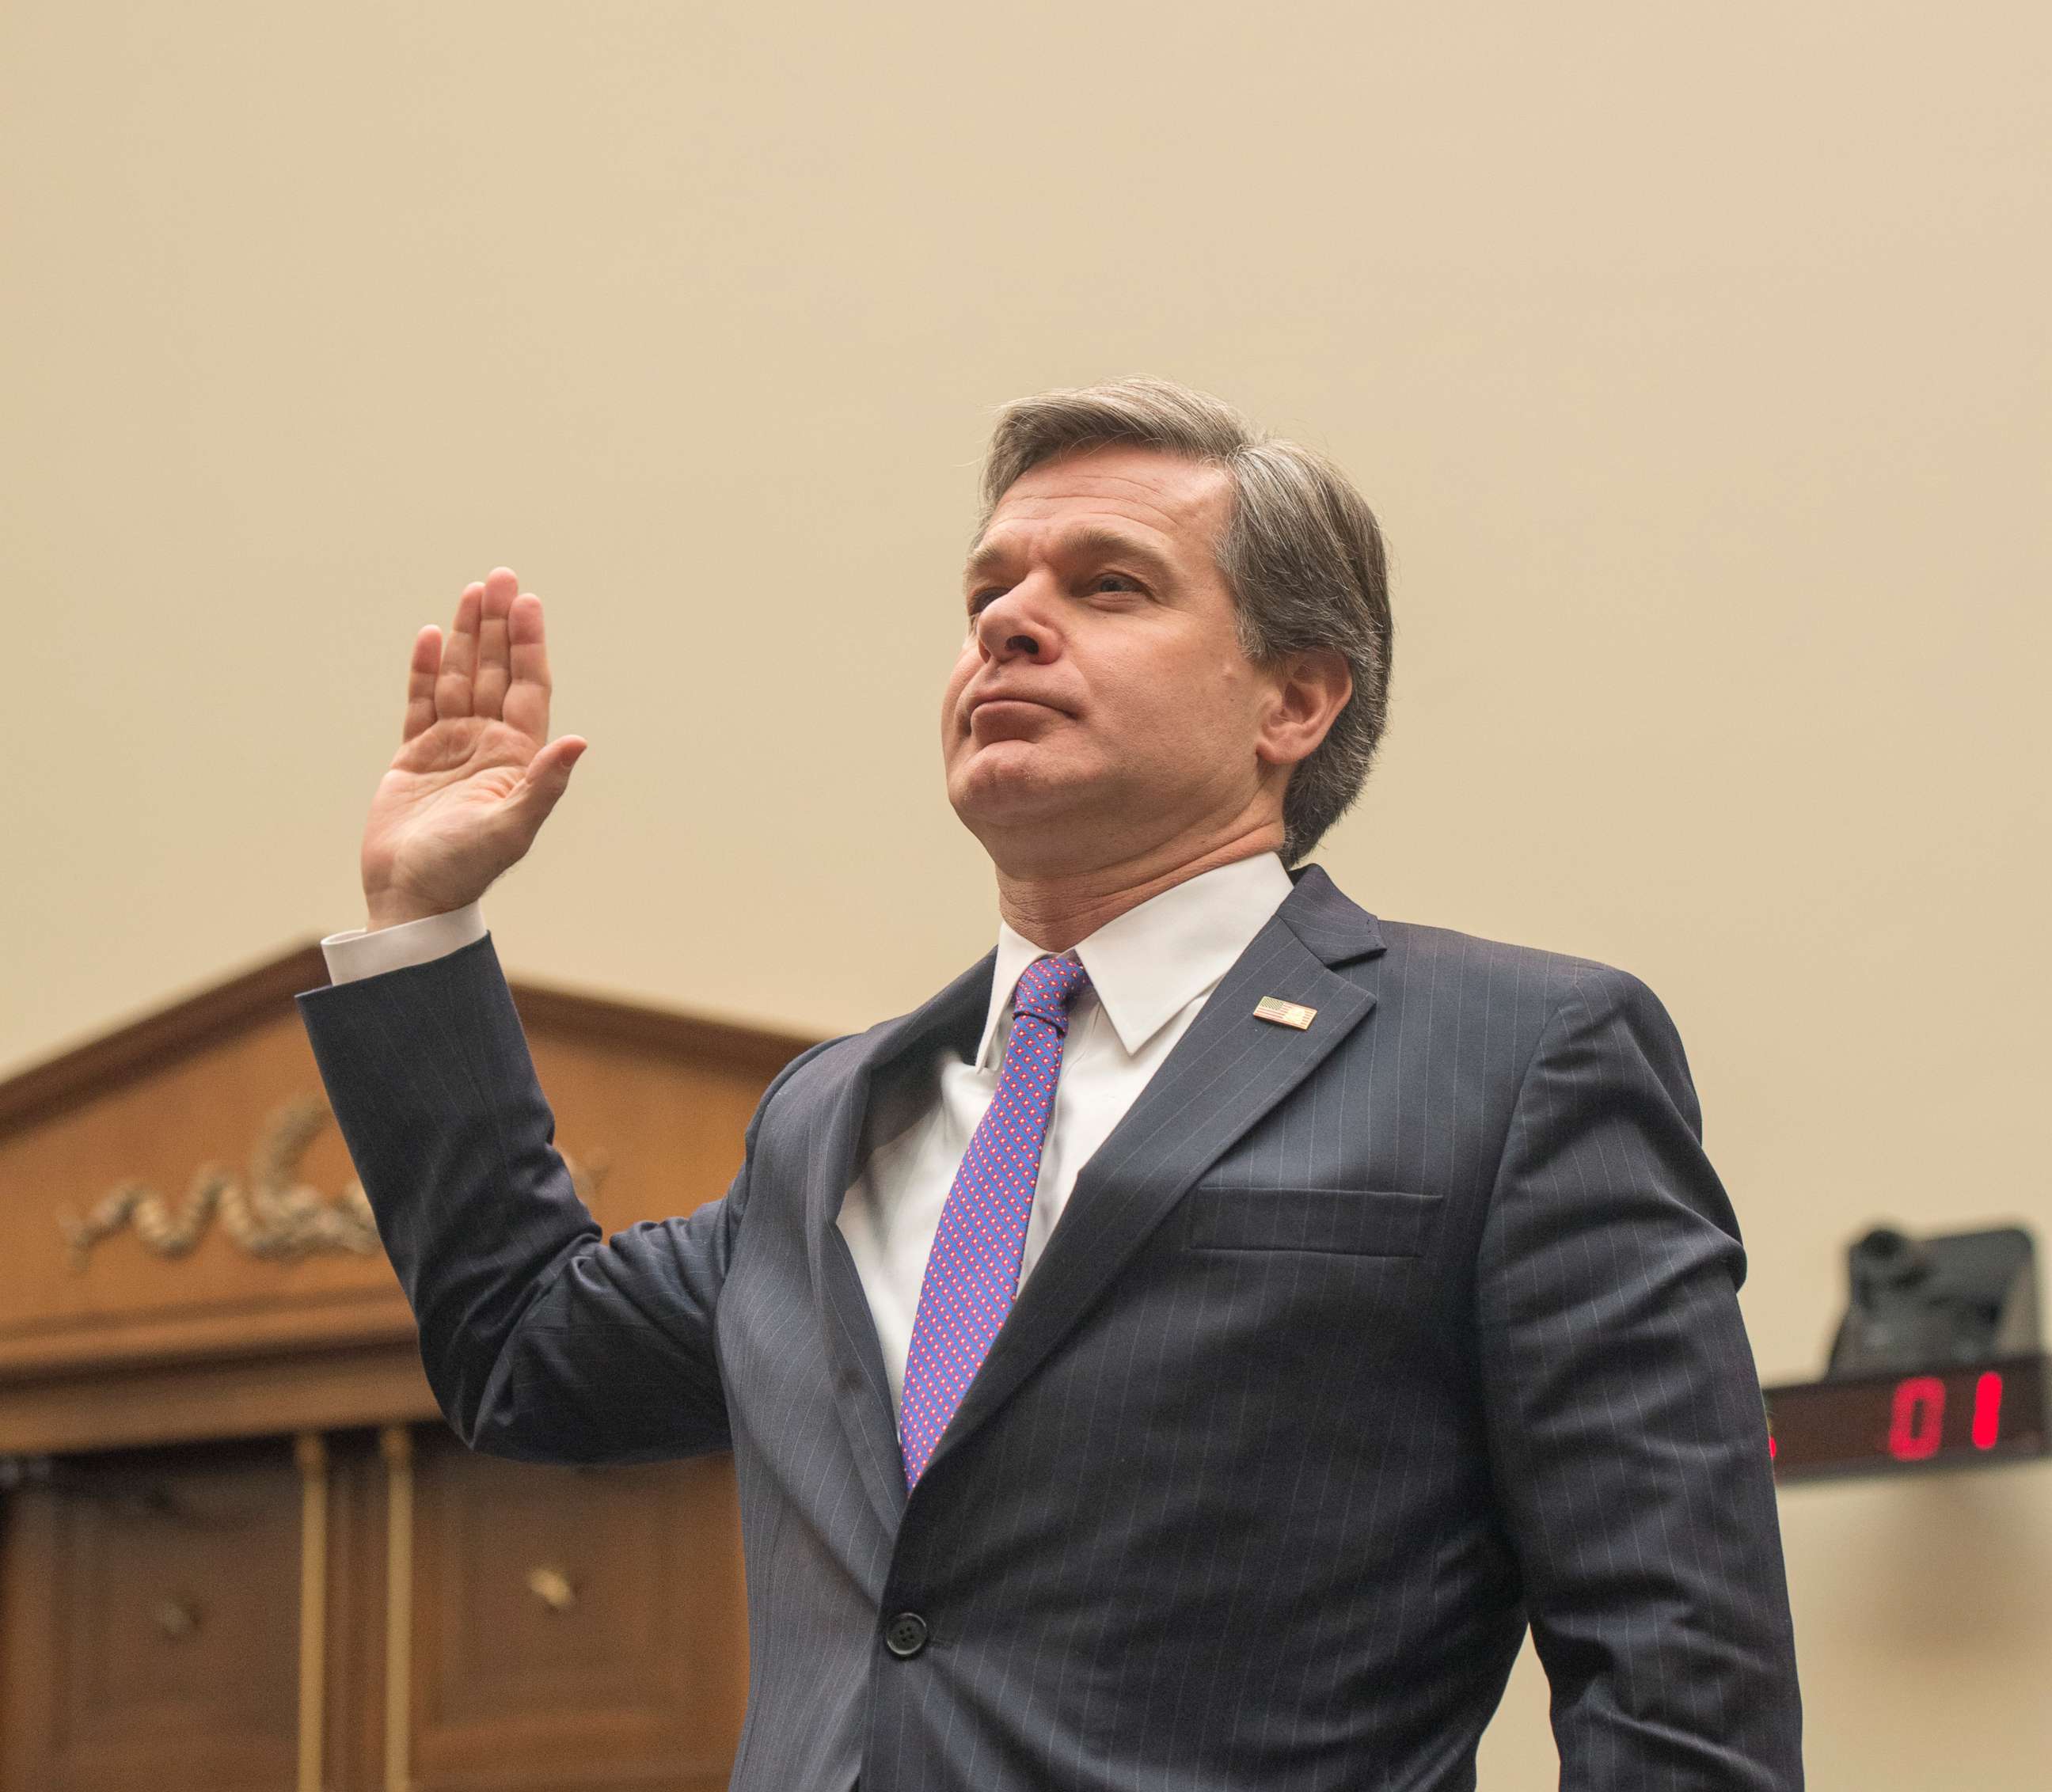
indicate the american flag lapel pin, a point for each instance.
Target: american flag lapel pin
{"x":1284,"y":1014}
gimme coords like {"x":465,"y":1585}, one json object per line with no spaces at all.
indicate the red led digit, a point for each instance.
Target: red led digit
{"x":1987,"y":1410}
{"x":1918,"y":1420}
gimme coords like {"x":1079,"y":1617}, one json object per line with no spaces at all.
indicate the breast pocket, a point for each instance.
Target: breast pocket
{"x":1362,"y":1222}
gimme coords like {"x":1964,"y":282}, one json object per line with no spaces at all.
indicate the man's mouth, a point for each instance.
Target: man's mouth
{"x":1004,"y":712}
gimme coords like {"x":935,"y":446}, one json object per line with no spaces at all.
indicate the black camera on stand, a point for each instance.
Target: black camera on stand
{"x":1937,"y":1362}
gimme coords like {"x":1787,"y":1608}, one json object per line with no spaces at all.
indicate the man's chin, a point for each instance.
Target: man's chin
{"x":1006,"y":785}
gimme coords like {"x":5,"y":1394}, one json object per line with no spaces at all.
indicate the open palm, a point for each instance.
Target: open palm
{"x":476,"y":775}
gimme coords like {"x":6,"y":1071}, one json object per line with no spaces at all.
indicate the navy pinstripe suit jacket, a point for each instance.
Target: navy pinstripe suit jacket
{"x":1355,"y":1348}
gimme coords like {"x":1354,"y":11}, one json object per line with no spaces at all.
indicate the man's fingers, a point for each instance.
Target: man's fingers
{"x":421,"y":674}
{"x":526,"y":705}
{"x":488,"y":681}
{"x":452,"y":694}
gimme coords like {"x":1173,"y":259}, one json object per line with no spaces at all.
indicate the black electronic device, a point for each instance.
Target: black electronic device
{"x":1937,"y":1362}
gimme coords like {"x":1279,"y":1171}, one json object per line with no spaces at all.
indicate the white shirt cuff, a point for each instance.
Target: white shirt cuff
{"x":361,"y":954}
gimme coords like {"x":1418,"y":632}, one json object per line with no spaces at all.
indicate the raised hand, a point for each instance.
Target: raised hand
{"x":476,"y":775}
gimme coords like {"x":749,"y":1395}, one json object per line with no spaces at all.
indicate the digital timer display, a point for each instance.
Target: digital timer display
{"x":1982,"y":1412}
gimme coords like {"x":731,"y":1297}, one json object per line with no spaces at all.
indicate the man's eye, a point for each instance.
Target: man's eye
{"x":1117,"y":581}
{"x":978,"y":600}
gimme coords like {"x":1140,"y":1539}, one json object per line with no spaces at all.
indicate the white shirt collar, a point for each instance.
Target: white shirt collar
{"x":1151,"y":962}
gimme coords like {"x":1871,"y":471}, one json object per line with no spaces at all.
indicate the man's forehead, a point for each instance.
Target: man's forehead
{"x":1159,"y":495}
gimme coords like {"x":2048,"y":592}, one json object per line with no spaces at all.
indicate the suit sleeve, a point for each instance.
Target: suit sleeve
{"x":1625,"y":1428}
{"x":541,"y":1339}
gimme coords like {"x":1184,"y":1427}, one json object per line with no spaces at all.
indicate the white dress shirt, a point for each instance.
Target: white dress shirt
{"x":1151,"y":971}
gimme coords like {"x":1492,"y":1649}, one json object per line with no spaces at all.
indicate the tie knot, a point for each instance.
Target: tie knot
{"x":1047,"y":987}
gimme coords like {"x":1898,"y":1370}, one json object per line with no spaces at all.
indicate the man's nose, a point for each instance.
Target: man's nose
{"x":1014,"y":627}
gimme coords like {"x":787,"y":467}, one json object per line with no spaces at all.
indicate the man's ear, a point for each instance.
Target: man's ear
{"x":1311,"y":687}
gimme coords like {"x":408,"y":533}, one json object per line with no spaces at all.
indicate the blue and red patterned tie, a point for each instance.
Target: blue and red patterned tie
{"x":973,"y":1269}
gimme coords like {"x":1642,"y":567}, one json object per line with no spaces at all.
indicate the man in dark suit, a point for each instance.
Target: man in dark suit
{"x":1186,"y":1352}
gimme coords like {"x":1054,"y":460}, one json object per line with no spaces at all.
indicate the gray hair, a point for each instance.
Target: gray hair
{"x":1301,"y":554}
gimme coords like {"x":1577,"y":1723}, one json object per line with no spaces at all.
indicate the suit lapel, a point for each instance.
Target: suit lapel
{"x":1225,"y":1075}
{"x":862,"y":1392}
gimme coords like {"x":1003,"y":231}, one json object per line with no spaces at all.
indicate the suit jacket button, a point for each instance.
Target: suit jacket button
{"x":905,"y":1635}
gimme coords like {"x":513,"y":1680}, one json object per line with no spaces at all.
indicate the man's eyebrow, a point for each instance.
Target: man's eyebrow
{"x":985,"y":557}
{"x":1090,"y":541}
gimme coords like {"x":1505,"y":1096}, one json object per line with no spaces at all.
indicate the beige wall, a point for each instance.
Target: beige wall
{"x":1696,"y":361}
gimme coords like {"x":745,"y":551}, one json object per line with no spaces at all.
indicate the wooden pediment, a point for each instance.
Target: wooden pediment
{"x":188,"y":1254}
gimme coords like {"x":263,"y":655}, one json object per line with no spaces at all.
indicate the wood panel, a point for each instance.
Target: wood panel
{"x":150,"y":1624}
{"x":354,"y":1757}
{"x":150,"y":1600}
{"x":124,"y":1305}
{"x":575,"y":1628}
{"x":314,"y":1390}
{"x":650,"y":1106}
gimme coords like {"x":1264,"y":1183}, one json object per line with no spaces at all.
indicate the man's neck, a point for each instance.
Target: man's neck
{"x":1054,"y":912}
